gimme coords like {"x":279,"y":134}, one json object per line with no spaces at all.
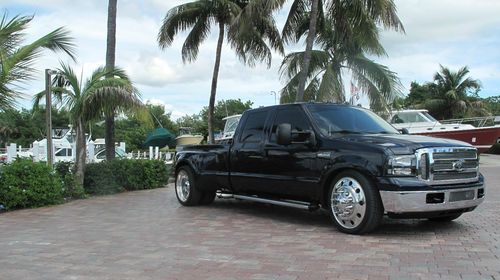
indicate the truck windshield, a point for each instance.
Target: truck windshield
{"x":334,"y":119}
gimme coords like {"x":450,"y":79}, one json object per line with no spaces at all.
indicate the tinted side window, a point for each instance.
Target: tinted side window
{"x":293,"y":116}
{"x":253,"y":130}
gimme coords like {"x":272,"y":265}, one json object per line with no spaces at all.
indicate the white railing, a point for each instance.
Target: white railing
{"x":477,"y":121}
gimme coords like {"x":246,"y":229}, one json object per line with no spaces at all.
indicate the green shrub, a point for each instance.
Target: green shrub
{"x":24,"y":183}
{"x":99,"y":179}
{"x":495,"y":149}
{"x":71,"y":189}
{"x":125,"y":174}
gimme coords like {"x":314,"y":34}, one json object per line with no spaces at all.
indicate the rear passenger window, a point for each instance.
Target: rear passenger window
{"x":253,"y":130}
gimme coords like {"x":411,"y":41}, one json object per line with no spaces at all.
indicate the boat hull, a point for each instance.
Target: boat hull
{"x":482,"y":137}
{"x":188,"y":140}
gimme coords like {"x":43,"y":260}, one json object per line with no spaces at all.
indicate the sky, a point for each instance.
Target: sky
{"x":447,"y":32}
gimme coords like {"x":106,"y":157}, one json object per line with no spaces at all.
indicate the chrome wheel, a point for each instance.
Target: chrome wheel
{"x":182,"y":185}
{"x":348,"y":203}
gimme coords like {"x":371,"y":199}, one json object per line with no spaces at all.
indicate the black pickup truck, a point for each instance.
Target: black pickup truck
{"x":344,"y":159}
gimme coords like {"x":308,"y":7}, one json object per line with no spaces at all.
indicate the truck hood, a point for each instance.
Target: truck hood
{"x":404,"y":143}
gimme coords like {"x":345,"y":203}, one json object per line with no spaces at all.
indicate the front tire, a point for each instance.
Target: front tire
{"x":185,"y":189}
{"x":354,"y":203}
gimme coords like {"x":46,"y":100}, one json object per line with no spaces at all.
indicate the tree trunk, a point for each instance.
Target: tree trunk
{"x":110,"y":64}
{"x":81,"y":152}
{"x":211,"y":104}
{"x":307,"y":54}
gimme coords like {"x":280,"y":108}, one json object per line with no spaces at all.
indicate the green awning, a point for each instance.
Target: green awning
{"x":160,"y":137}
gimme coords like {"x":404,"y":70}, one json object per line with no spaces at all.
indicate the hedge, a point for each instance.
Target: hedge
{"x":26,"y":184}
{"x":124,"y":175}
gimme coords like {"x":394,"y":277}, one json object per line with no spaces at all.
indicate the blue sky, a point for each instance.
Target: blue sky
{"x":448,"y":32}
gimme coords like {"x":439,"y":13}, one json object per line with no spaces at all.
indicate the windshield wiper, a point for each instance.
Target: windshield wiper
{"x":379,"y":132}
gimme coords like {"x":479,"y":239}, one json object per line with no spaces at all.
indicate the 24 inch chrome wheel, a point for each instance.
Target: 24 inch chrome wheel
{"x":185,"y":190}
{"x":354,"y":203}
{"x":348,"y":202}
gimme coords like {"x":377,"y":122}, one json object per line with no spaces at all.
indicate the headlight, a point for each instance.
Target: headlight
{"x":405,"y":165}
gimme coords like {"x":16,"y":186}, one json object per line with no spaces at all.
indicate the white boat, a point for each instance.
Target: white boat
{"x":422,"y":123}
{"x":229,"y":128}
{"x":187,"y":138}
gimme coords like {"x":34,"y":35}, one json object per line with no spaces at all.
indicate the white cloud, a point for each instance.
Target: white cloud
{"x":448,"y":32}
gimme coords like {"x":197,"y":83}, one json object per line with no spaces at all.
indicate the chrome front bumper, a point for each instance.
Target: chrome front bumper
{"x":399,"y":202}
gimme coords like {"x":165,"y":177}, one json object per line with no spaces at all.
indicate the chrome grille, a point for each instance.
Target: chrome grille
{"x":448,"y":165}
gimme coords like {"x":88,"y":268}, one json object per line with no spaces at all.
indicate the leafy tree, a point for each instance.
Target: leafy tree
{"x":224,"y":108}
{"x":454,"y":95}
{"x":90,"y":100}
{"x":248,"y":25}
{"x":25,"y":126}
{"x":345,"y":21}
{"x":493,"y":104}
{"x":110,"y":64}
{"x":16,"y":59}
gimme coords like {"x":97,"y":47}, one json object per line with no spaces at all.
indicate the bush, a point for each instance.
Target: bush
{"x":495,"y":149}
{"x":24,"y":183}
{"x":125,"y":174}
{"x":70,"y":188}
{"x":99,"y":179}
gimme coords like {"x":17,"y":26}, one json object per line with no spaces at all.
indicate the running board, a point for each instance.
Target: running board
{"x":293,"y":204}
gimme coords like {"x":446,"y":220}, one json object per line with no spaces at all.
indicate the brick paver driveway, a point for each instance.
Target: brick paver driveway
{"x":147,"y":235}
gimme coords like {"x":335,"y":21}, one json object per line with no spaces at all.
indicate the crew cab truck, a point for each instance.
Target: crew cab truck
{"x":344,"y":159}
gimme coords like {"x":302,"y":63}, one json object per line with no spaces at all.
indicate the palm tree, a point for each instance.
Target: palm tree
{"x":16,"y":60}
{"x":344,"y":17}
{"x":109,"y":138}
{"x":454,"y":94}
{"x":104,"y":91}
{"x":248,"y":25}
{"x":341,"y":51}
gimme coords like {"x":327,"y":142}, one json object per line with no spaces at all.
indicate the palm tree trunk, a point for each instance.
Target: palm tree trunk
{"x":211,"y":104}
{"x":307,"y":55}
{"x":81,"y":152}
{"x":110,"y":64}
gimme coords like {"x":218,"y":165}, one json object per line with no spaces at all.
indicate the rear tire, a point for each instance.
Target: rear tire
{"x":185,"y":190}
{"x":354,"y":203}
{"x":445,"y":219}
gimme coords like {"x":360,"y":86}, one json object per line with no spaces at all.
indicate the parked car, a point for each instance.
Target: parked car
{"x":344,"y":159}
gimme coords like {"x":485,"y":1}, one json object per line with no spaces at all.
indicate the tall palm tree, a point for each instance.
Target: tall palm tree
{"x":90,"y":100}
{"x":343,"y":16}
{"x":454,"y":94}
{"x":16,"y":59}
{"x":342,"y":51}
{"x":248,"y":25}
{"x":110,"y":64}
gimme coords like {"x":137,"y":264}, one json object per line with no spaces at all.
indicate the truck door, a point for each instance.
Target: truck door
{"x":290,"y":170}
{"x":247,"y":152}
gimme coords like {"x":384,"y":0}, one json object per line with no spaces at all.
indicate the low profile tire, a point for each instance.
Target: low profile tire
{"x":354,"y":203}
{"x":207,"y":198}
{"x":185,"y":190}
{"x":445,"y":219}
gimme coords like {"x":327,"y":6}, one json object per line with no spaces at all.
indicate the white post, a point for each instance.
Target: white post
{"x":144,"y":154}
{"x":11,"y":152}
{"x":73,"y":151}
{"x":36,"y":152}
{"x":20,"y":149}
{"x":150,"y":152}
{"x":159,"y":156}
{"x":123,"y":146}
{"x":91,"y":151}
{"x":157,"y":150}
